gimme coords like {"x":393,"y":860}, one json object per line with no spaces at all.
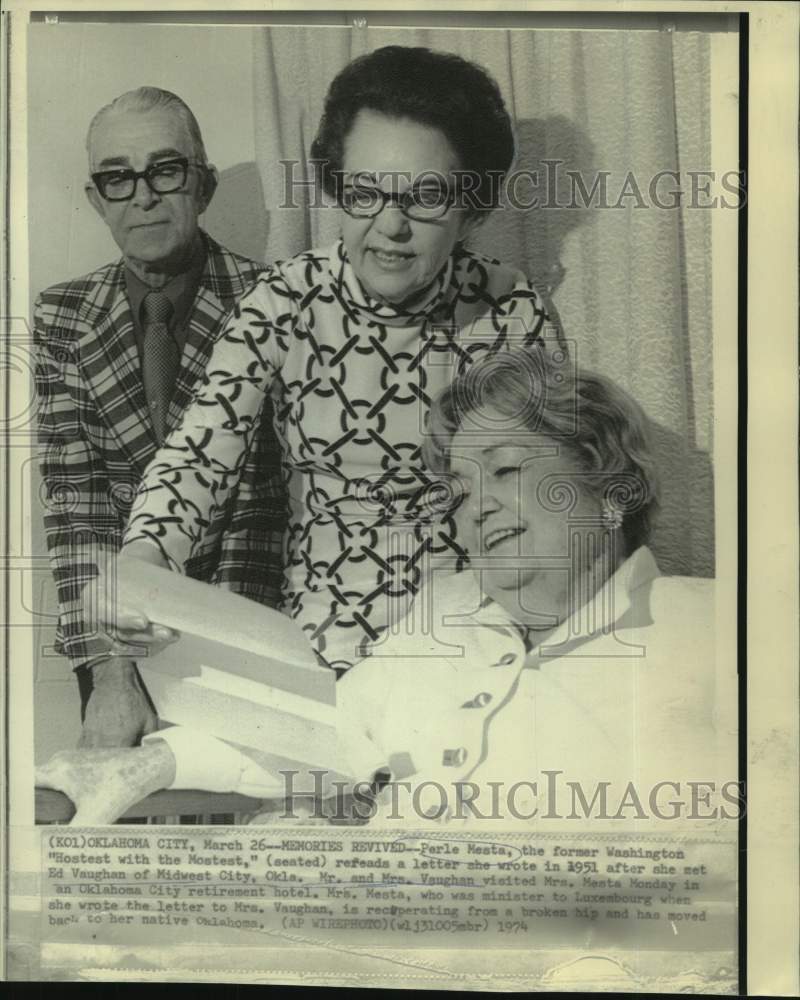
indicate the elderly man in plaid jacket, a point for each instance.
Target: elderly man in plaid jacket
{"x":118,"y":355}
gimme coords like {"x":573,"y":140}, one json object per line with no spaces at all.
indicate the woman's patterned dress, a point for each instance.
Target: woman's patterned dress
{"x":351,"y":381}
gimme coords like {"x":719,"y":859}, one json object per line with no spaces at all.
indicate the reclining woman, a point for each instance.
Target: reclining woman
{"x":563,"y":651}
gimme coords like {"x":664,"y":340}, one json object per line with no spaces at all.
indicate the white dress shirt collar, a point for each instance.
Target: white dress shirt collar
{"x":621,"y":601}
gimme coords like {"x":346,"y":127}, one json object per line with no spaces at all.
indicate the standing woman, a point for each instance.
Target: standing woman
{"x":351,"y":343}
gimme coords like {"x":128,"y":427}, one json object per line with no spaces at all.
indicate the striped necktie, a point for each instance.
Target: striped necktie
{"x":161,"y":360}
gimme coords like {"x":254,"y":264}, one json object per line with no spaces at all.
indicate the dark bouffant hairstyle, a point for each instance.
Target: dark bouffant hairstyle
{"x":437,"y":89}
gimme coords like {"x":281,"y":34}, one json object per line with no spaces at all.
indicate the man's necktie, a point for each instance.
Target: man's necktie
{"x":161,"y":359}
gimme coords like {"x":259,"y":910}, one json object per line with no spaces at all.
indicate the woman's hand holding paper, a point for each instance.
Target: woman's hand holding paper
{"x":129,"y":631}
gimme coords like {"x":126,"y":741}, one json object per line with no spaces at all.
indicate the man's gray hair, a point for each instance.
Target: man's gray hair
{"x":150,"y":99}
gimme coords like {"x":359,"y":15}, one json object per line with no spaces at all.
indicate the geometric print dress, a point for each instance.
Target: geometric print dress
{"x":351,"y":381}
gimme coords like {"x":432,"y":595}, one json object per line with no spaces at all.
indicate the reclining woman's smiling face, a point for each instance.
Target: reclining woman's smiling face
{"x":521,"y":491}
{"x":394,"y":257}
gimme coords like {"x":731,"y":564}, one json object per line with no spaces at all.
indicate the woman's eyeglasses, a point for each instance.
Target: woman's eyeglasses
{"x":424,"y":203}
{"x":164,"y":177}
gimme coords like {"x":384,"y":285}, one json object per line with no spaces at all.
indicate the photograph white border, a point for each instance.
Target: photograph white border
{"x":772,"y":532}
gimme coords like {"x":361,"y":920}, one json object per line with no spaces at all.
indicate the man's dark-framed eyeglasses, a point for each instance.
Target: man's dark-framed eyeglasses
{"x":424,"y":203}
{"x":164,"y":177}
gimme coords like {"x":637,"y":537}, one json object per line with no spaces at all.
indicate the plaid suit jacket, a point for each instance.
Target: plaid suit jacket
{"x":96,"y":439}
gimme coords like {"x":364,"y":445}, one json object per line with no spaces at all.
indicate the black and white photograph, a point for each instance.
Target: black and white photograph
{"x":380,"y":465}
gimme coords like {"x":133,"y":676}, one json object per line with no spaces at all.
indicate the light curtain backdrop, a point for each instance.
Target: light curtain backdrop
{"x":631,"y":285}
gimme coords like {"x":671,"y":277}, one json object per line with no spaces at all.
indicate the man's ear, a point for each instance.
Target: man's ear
{"x":95,"y":200}
{"x":209,"y":186}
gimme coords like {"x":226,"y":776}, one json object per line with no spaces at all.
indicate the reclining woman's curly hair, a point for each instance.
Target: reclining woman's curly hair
{"x":591,"y":417}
